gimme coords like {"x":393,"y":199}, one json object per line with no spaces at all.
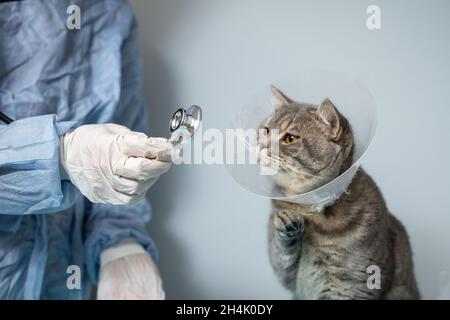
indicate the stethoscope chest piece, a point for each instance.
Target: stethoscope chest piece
{"x":184,"y":124}
{"x":189,"y":119}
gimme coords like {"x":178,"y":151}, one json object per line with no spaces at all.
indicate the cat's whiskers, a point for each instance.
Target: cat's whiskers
{"x":282,"y":163}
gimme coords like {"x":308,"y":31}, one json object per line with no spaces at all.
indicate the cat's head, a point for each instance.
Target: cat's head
{"x":315,"y":143}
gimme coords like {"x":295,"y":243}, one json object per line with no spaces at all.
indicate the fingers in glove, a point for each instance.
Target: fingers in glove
{"x":140,"y":169}
{"x":137,"y":144}
{"x":131,"y":144}
{"x":130,"y":186}
{"x":156,"y":146}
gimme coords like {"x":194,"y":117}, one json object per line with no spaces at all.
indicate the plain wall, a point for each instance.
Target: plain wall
{"x":211,"y":234}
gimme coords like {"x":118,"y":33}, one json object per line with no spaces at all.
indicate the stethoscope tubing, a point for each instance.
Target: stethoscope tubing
{"x":5,"y":118}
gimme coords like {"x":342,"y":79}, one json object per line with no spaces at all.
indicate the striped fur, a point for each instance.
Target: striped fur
{"x":326,"y":255}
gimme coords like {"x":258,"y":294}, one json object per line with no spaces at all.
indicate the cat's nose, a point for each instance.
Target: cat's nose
{"x":263,"y":141}
{"x":265,"y":144}
{"x":263,"y":154}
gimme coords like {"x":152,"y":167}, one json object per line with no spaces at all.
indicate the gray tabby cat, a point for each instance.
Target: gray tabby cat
{"x":326,"y":255}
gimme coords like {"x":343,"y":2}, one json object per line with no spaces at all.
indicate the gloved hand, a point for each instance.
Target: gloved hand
{"x":109,"y":163}
{"x":128,"y":272}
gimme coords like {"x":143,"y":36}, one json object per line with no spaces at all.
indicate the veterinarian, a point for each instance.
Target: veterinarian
{"x":75,"y":164}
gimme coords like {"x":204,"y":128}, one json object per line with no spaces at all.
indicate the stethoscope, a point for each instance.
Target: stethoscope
{"x":183,"y":124}
{"x":5,"y":118}
{"x":189,"y":119}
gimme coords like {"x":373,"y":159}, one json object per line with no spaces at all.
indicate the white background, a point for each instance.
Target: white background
{"x":211,"y":234}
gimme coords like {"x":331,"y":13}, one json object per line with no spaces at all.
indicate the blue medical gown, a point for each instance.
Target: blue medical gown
{"x":53,"y":79}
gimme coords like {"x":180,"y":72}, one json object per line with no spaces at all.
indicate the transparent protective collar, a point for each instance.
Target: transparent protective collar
{"x":354,"y":102}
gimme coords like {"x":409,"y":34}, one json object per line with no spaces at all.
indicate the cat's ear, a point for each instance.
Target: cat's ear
{"x":330,"y":115}
{"x":279,"y":99}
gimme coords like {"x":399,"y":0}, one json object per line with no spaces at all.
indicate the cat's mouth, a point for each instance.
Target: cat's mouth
{"x":264,"y":158}
{"x":276,"y":165}
{"x":285,"y":174}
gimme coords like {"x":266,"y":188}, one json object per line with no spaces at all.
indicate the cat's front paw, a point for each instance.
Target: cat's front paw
{"x":288,"y":224}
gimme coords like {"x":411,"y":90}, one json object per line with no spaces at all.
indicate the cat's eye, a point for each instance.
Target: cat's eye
{"x":289,"y":138}
{"x":266,"y":130}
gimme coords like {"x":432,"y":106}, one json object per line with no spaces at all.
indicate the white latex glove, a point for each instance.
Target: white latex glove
{"x":109,"y":163}
{"x":128,"y":272}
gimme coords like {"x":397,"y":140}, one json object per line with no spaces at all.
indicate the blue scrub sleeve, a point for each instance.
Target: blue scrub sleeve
{"x":29,"y":167}
{"x":109,"y":224}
